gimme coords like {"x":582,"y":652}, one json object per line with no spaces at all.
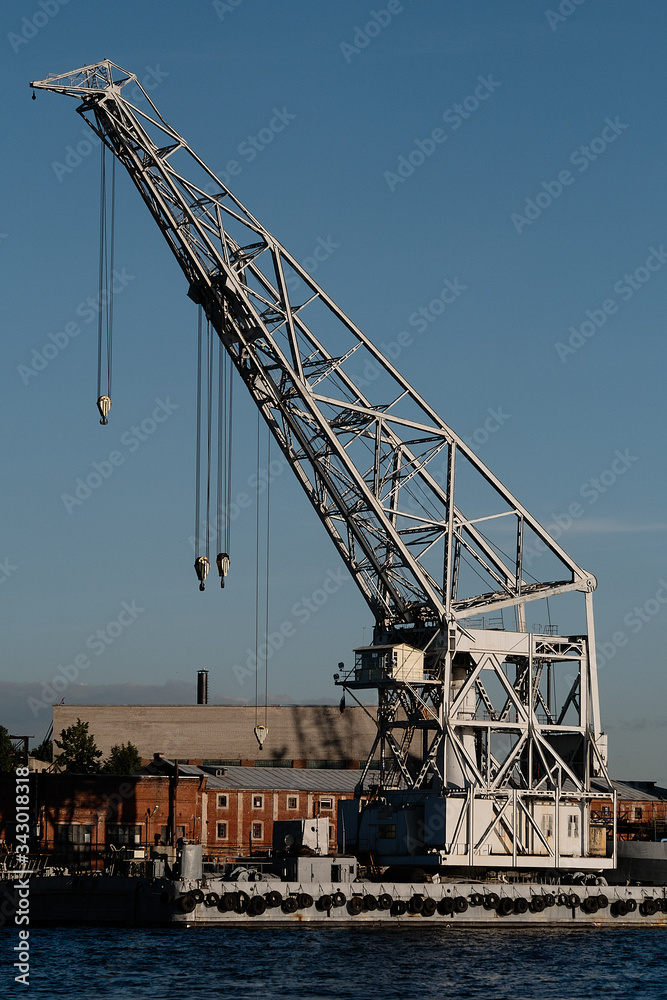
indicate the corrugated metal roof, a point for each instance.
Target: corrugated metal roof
{"x":291,"y":779}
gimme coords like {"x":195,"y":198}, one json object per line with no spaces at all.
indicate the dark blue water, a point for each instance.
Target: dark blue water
{"x":340,"y":963}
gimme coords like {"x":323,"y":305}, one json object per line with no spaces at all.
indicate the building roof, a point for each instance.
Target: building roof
{"x":291,"y":779}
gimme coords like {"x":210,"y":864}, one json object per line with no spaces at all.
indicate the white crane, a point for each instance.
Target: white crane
{"x":512,"y":755}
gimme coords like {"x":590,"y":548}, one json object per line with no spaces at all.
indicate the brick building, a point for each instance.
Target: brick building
{"x":78,"y":819}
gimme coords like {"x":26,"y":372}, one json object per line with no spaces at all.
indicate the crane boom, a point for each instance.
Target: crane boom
{"x":417,"y":518}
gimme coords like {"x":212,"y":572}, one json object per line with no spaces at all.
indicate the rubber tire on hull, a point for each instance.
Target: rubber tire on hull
{"x":384,"y":901}
{"x":429,"y":907}
{"x":398,"y":908}
{"x":325,"y":902}
{"x":186,"y":903}
{"x":305,"y":900}
{"x":445,"y":906}
{"x":370,"y":903}
{"x":256,"y":906}
{"x":211,"y":899}
{"x":460,"y":904}
{"x":289,"y":905}
{"x":573,"y":900}
{"x":505,"y":906}
{"x":537,"y":904}
{"x":339,"y":898}
{"x":242,"y":900}
{"x":273,"y":898}
{"x":491,"y":901}
{"x":415,"y":903}
{"x":198,"y":895}
{"x":355,"y":905}
{"x":227,"y":902}
{"x":520,"y":905}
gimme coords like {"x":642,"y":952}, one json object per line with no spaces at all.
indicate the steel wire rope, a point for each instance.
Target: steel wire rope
{"x":198,"y":444}
{"x":257,"y":520}
{"x":268,"y":539}
{"x":107,"y":239}
{"x":209,"y":431}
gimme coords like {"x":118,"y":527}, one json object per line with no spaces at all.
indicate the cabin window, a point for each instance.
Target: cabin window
{"x":258,"y":801}
{"x":222,"y":831}
{"x":573,"y":825}
{"x":292,"y":801}
{"x":222,"y":801}
{"x":326,"y":804}
{"x":257,"y":831}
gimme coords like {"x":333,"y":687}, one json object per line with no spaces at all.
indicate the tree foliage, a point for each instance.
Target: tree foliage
{"x":79,"y":753}
{"x":44,"y":751}
{"x":123,"y":759}
{"x":8,"y":756}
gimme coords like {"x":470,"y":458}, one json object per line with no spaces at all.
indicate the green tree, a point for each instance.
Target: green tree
{"x":8,"y":759}
{"x":79,"y":753}
{"x":123,"y":759}
{"x":44,"y":751}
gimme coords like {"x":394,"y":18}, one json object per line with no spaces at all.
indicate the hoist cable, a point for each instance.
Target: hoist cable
{"x":110,"y":277}
{"x":220,"y":500}
{"x":228,"y":470}
{"x":198,"y":446}
{"x":268,"y":539}
{"x":106,"y":273}
{"x":101,"y":268}
{"x":257,"y":519}
{"x":209,"y":411}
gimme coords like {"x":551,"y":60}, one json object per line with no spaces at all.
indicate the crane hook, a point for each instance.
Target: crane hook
{"x":222,"y":562}
{"x":34,"y":95}
{"x":104,"y":405}
{"x":202,"y":566}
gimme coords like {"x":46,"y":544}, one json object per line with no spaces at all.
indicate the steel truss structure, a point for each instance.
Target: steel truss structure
{"x":431,"y":537}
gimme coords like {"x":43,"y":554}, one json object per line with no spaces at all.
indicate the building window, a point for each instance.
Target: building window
{"x":258,"y":801}
{"x":605,"y":810}
{"x":387,"y":831}
{"x":292,"y":801}
{"x":547,"y":825}
{"x":573,"y":825}
{"x":638,"y":814}
{"x":180,"y":832}
{"x":257,"y":831}
{"x":123,"y":835}
{"x":326,"y":804}
{"x":221,"y":802}
{"x":72,"y":843}
{"x":222,"y":831}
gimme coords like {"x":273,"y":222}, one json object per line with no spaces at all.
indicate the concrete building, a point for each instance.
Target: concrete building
{"x":298,"y":735}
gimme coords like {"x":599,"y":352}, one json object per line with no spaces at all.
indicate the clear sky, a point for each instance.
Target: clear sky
{"x":515,"y":149}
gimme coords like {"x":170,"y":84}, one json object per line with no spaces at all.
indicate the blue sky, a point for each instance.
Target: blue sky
{"x":514,"y":149}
